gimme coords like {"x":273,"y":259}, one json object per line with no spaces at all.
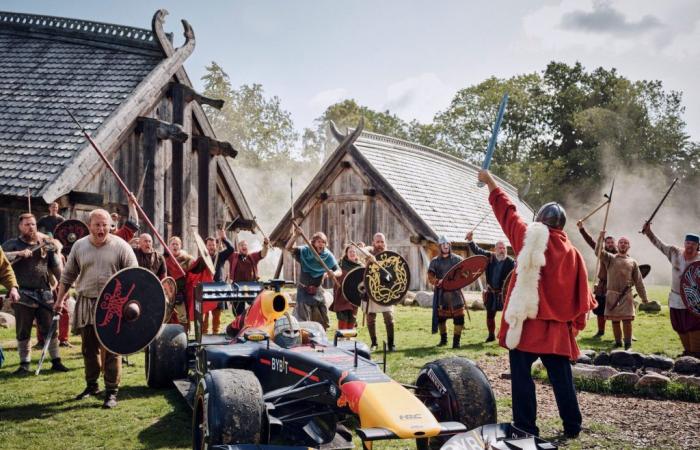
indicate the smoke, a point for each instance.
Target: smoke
{"x":638,"y":190}
{"x":267,"y":191}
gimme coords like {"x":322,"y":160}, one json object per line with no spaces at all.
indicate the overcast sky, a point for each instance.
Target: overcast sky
{"x":412,"y":56}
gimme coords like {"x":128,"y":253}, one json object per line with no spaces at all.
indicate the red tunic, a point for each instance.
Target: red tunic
{"x":565,"y":297}
{"x":197,"y":274}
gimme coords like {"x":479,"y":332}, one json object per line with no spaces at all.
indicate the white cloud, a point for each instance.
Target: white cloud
{"x":418,"y":97}
{"x":624,"y":26}
{"x":324,"y":99}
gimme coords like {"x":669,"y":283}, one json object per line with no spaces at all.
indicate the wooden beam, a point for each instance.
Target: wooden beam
{"x":189,"y":95}
{"x":215,"y":147}
{"x":112,"y":131}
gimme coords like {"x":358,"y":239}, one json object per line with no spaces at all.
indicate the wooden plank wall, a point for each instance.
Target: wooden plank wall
{"x":349,"y":213}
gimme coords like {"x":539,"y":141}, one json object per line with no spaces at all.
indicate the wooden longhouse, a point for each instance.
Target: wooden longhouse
{"x":129,"y":89}
{"x":411,"y":193}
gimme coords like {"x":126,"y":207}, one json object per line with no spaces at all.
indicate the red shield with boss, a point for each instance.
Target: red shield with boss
{"x":130,"y":311}
{"x":464,"y":273}
{"x":69,"y":231}
{"x":690,"y":287}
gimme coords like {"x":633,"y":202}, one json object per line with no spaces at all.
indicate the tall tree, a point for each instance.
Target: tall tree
{"x":257,"y":126}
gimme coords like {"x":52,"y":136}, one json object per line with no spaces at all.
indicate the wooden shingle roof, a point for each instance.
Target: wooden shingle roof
{"x":440,"y":188}
{"x":49,"y":64}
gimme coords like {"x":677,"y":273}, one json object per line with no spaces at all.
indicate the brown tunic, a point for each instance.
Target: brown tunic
{"x":623,"y":274}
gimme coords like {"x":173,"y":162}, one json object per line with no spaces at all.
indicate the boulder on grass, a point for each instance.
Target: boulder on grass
{"x":657,"y":361}
{"x":652,"y":383}
{"x":687,"y":365}
{"x":601,"y":359}
{"x":652,"y":306}
{"x":478,"y":305}
{"x":424,"y":299}
{"x":7,"y":320}
{"x":623,"y":382}
{"x":409,"y":299}
{"x":584,"y":359}
{"x":688,"y":380}
{"x":589,"y":372}
{"x":625,"y":358}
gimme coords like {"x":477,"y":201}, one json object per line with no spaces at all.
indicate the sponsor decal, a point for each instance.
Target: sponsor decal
{"x":467,"y":441}
{"x":410,"y":417}
{"x":279,"y":365}
{"x":436,"y":381}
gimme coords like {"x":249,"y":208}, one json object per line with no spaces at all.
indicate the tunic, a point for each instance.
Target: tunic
{"x":450,"y":303}
{"x":33,"y":274}
{"x":244,"y":267}
{"x":48,"y":223}
{"x":90,"y":267}
{"x":306,"y":279}
{"x":682,"y":320}
{"x":153,"y":262}
{"x":496,"y":273}
{"x":564,"y":294}
{"x":623,"y":273}
{"x":7,"y":275}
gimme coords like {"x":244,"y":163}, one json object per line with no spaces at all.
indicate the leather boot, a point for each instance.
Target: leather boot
{"x":110,"y":399}
{"x":443,"y":340}
{"x":57,"y":365}
{"x":91,"y":389}
{"x":455,"y":340}
{"x":390,"y":337}
{"x":372,"y":328}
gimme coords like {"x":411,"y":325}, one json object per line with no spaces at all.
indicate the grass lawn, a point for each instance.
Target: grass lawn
{"x":40,"y":412}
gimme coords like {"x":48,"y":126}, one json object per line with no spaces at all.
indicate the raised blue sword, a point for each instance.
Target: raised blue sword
{"x":494,"y":136}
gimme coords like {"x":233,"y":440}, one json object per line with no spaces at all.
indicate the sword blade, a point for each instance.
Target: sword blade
{"x":494,"y":134}
{"x":47,"y":342}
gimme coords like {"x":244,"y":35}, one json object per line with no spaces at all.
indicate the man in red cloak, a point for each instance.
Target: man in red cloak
{"x":545,"y":307}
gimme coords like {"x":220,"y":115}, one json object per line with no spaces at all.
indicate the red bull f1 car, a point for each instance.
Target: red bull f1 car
{"x":276,"y":383}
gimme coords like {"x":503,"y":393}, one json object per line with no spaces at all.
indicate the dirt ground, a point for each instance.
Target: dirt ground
{"x":610,"y":421}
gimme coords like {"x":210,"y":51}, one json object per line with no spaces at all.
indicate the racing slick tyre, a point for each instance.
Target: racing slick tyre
{"x":228,"y":409}
{"x":166,"y":357}
{"x":455,"y":389}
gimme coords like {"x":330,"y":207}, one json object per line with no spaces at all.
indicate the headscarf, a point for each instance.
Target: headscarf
{"x":310,"y":265}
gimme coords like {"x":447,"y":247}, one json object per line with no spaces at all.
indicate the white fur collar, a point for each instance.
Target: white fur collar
{"x":525,"y":299}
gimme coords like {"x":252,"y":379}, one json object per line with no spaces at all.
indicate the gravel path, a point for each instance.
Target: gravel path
{"x":610,"y":422}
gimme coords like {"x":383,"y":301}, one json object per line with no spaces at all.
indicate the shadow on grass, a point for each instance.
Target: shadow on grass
{"x":32,"y":411}
{"x":173,"y":429}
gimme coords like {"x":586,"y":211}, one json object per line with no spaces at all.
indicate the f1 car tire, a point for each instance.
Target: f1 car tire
{"x":228,"y":409}
{"x":455,"y":389}
{"x":166,"y":357}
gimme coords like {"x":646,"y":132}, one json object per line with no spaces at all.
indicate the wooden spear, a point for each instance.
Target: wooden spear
{"x":605,"y":225}
{"x":128,"y":193}
{"x":594,"y":211}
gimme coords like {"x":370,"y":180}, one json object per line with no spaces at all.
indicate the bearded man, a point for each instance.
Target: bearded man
{"x":497,"y":270}
{"x":148,"y":258}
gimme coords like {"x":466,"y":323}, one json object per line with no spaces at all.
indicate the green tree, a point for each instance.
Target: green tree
{"x":257,"y":126}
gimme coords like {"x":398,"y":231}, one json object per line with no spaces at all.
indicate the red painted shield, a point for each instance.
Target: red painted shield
{"x":69,"y":231}
{"x":690,"y":287}
{"x":130,"y":311}
{"x":464,"y":273}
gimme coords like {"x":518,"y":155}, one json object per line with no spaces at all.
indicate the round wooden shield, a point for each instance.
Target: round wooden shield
{"x":130,"y":311}
{"x":203,"y":253}
{"x":690,"y":287}
{"x":69,"y":231}
{"x":464,"y":273}
{"x":353,"y":286}
{"x":387,"y":280}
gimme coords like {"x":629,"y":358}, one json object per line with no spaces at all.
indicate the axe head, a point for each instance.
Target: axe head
{"x":239,"y":223}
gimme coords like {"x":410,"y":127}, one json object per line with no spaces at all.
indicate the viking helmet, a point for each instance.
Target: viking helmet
{"x":552,"y":214}
{"x":287,"y":331}
{"x":443,"y":240}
